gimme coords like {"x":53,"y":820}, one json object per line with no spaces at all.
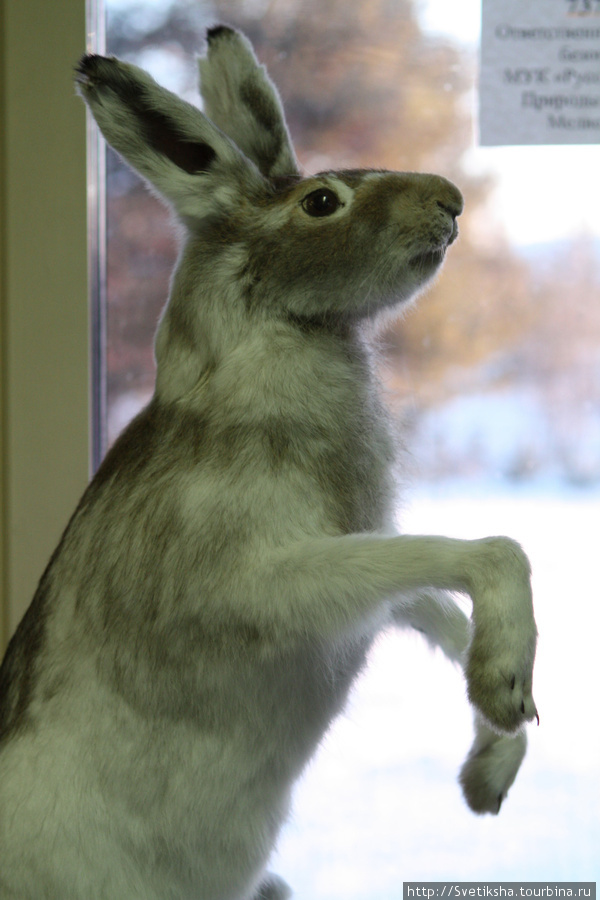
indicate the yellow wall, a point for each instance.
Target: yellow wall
{"x":43,"y":284}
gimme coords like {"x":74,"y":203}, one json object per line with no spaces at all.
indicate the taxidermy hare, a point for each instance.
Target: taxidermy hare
{"x":219,"y":585}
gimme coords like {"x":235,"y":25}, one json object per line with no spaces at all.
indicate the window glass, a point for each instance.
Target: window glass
{"x":495,"y":378}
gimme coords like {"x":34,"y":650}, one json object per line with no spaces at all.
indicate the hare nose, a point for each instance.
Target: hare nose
{"x":452,"y":204}
{"x":446,"y":195}
{"x":451,"y":209}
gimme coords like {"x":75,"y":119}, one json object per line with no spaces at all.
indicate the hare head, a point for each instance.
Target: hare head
{"x":263,"y":242}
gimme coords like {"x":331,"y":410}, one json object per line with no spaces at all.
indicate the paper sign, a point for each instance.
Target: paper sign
{"x":540,"y":72}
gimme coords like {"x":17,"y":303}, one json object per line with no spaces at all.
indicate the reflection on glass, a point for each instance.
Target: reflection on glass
{"x":495,"y":376}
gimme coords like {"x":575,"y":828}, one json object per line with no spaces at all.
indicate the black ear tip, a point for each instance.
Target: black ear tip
{"x":82,"y":66}
{"x":217,"y":32}
{"x":88,"y":66}
{"x":85,"y":67}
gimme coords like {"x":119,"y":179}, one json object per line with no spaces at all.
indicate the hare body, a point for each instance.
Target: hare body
{"x":219,"y":585}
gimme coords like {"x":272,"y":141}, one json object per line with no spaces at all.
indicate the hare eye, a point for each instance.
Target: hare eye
{"x":320,"y":203}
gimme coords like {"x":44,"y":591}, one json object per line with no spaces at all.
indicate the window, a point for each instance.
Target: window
{"x":496,"y":377}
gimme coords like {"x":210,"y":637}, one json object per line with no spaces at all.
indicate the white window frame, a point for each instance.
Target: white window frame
{"x":44,"y":323}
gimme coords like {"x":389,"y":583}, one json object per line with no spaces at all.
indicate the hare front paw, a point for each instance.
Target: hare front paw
{"x":500,"y":657}
{"x":499,"y":684}
{"x":490,"y":769}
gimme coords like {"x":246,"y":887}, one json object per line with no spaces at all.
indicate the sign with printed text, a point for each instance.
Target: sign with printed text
{"x":540,"y":72}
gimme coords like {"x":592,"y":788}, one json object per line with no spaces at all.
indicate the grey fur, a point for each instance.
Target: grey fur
{"x":220,"y":583}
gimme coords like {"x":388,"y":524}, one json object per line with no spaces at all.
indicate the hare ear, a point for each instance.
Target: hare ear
{"x":168,"y":141}
{"x":242,"y":101}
